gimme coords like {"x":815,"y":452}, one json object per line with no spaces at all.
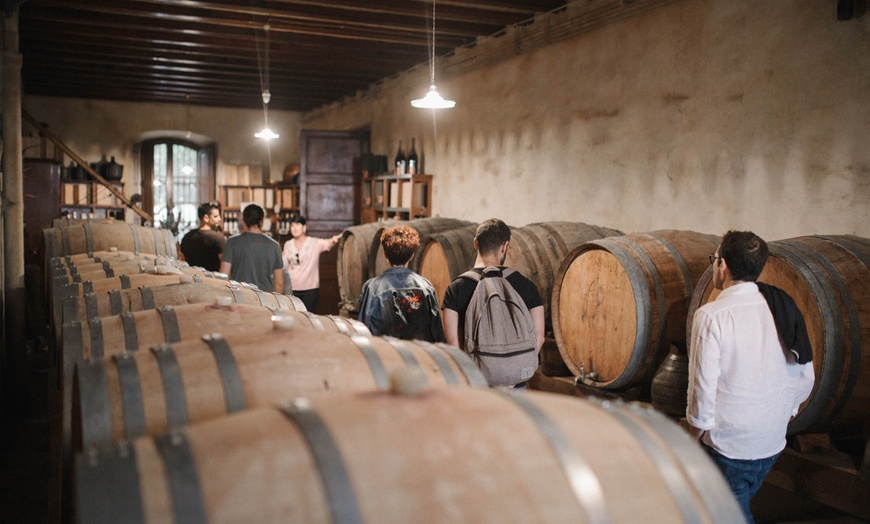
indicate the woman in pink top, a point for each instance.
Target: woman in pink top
{"x":302,"y":258}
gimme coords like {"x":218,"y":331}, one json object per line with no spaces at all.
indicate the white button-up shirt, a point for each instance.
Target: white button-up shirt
{"x":744,"y":386}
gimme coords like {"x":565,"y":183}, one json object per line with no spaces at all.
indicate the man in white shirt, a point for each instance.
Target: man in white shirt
{"x":744,"y":384}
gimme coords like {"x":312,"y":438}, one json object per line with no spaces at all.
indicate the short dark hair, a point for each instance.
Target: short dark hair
{"x":205,"y":209}
{"x":298,"y":219}
{"x":745,"y":253}
{"x":253,"y":215}
{"x":491,"y":235}
{"x":400,"y":243}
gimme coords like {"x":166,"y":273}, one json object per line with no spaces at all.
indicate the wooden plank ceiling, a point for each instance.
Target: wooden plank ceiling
{"x":211,"y":52}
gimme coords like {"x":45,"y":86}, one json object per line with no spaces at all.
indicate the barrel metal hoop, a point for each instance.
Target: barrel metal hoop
{"x":92,"y":307}
{"x":131,"y":395}
{"x":834,"y":338}
{"x":71,"y":270}
{"x":95,"y":326}
{"x":854,"y":248}
{"x":197,"y":279}
{"x":77,"y":278}
{"x":238,"y":298}
{"x":73,"y":341}
{"x":137,"y":245}
{"x":669,"y":470}
{"x":147,"y":297}
{"x":379,"y":372}
{"x":110,"y":273}
{"x":854,"y":329}
{"x":296,"y":302}
{"x":540,"y":251}
{"x":125,"y":281}
{"x":582,"y":479}
{"x":316,"y":324}
{"x":471,"y":370}
{"x":169,"y":319}
{"x":173,"y":387}
{"x":234,"y":392}
{"x":557,"y":237}
{"x":410,"y":360}
{"x":108,"y":487}
{"x":526,"y":253}
{"x":89,"y":238}
{"x":643,"y":308}
{"x":188,"y":506}
{"x":262,"y":297}
{"x":115,"y":301}
{"x":65,"y":241}
{"x":94,"y":402}
{"x":131,"y":339}
{"x":340,"y":325}
{"x":336,"y":481}
{"x":158,"y":241}
{"x":681,"y":262}
{"x":443,"y":366}
{"x":88,"y":287}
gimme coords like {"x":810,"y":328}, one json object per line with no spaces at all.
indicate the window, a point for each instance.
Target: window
{"x":177,"y":176}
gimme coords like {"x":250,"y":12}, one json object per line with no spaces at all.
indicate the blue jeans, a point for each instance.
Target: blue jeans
{"x":744,"y":476}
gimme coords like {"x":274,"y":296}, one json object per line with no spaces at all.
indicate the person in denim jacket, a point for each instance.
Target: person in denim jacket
{"x":399,"y":302}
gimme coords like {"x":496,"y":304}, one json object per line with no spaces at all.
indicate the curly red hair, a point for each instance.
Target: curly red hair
{"x":400,"y":243}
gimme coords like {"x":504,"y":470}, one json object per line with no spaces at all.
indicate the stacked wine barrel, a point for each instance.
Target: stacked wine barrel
{"x":145,"y":343}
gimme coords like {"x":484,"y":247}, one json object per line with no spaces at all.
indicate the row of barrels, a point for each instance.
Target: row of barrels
{"x":194,"y":398}
{"x":615,"y":303}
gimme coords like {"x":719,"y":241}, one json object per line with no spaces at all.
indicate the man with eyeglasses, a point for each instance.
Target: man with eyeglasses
{"x":745,"y":379}
{"x":204,"y":246}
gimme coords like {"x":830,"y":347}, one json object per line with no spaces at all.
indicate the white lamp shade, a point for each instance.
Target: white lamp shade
{"x":266,"y":134}
{"x":433,"y":100}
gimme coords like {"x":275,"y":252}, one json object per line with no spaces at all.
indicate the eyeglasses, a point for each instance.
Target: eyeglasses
{"x":297,"y":258}
{"x":713,"y":259}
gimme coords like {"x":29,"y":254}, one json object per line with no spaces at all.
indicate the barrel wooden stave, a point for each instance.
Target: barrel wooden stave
{"x":537,"y":251}
{"x":444,"y":256}
{"x":353,"y":260}
{"x":619,"y":302}
{"x":423,"y":226}
{"x":92,"y":237}
{"x":828,"y":276}
{"x":274,"y":366}
{"x":635,"y":468}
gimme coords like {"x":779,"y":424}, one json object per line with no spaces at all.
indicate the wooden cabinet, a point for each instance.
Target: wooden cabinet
{"x":90,"y":199}
{"x":279,"y":202}
{"x":403,"y":197}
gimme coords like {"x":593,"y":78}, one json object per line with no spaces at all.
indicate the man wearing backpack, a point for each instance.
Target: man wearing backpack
{"x":494,"y":313}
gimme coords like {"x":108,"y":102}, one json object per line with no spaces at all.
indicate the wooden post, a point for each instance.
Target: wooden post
{"x":78,"y":160}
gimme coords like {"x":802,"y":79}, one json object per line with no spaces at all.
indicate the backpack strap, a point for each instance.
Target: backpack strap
{"x":474,"y":275}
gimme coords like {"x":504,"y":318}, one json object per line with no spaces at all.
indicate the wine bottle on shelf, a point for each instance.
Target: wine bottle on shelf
{"x":401,"y":161}
{"x":412,"y":159}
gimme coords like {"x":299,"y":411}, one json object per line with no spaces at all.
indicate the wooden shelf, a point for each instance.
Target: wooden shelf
{"x":403,"y":197}
{"x":279,"y":201}
{"x":90,"y":199}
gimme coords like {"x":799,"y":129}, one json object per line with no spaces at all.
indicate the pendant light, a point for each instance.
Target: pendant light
{"x":266,"y":133}
{"x":432,"y":100}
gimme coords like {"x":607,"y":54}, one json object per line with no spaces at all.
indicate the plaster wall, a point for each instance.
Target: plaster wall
{"x":705,"y":115}
{"x":92,"y":128}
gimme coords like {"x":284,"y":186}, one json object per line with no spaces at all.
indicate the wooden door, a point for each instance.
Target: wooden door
{"x":330,"y":186}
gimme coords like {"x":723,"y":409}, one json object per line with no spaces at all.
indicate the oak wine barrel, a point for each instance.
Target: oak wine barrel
{"x":123,"y":396}
{"x":440,"y":456}
{"x":828,"y":276}
{"x":354,"y":261}
{"x":423,"y":226}
{"x":444,"y":256}
{"x":537,"y":251}
{"x":618,"y":303}
{"x":90,"y":237}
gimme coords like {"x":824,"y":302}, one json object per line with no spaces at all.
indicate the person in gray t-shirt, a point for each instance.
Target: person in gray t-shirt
{"x":253,"y":257}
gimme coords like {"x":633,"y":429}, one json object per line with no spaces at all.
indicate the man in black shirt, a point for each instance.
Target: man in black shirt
{"x":492,"y":242}
{"x":204,"y":246}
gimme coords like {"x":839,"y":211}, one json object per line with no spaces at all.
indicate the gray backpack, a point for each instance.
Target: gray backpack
{"x":499,"y":331}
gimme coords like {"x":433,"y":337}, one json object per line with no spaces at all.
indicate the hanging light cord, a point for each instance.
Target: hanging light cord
{"x":432,"y":49}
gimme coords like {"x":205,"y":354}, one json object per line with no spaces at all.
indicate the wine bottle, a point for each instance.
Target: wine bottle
{"x":401,"y":161}
{"x":412,"y":159}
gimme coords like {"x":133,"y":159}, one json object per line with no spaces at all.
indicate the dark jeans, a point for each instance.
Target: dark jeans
{"x":744,"y":476}
{"x":309,"y":297}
